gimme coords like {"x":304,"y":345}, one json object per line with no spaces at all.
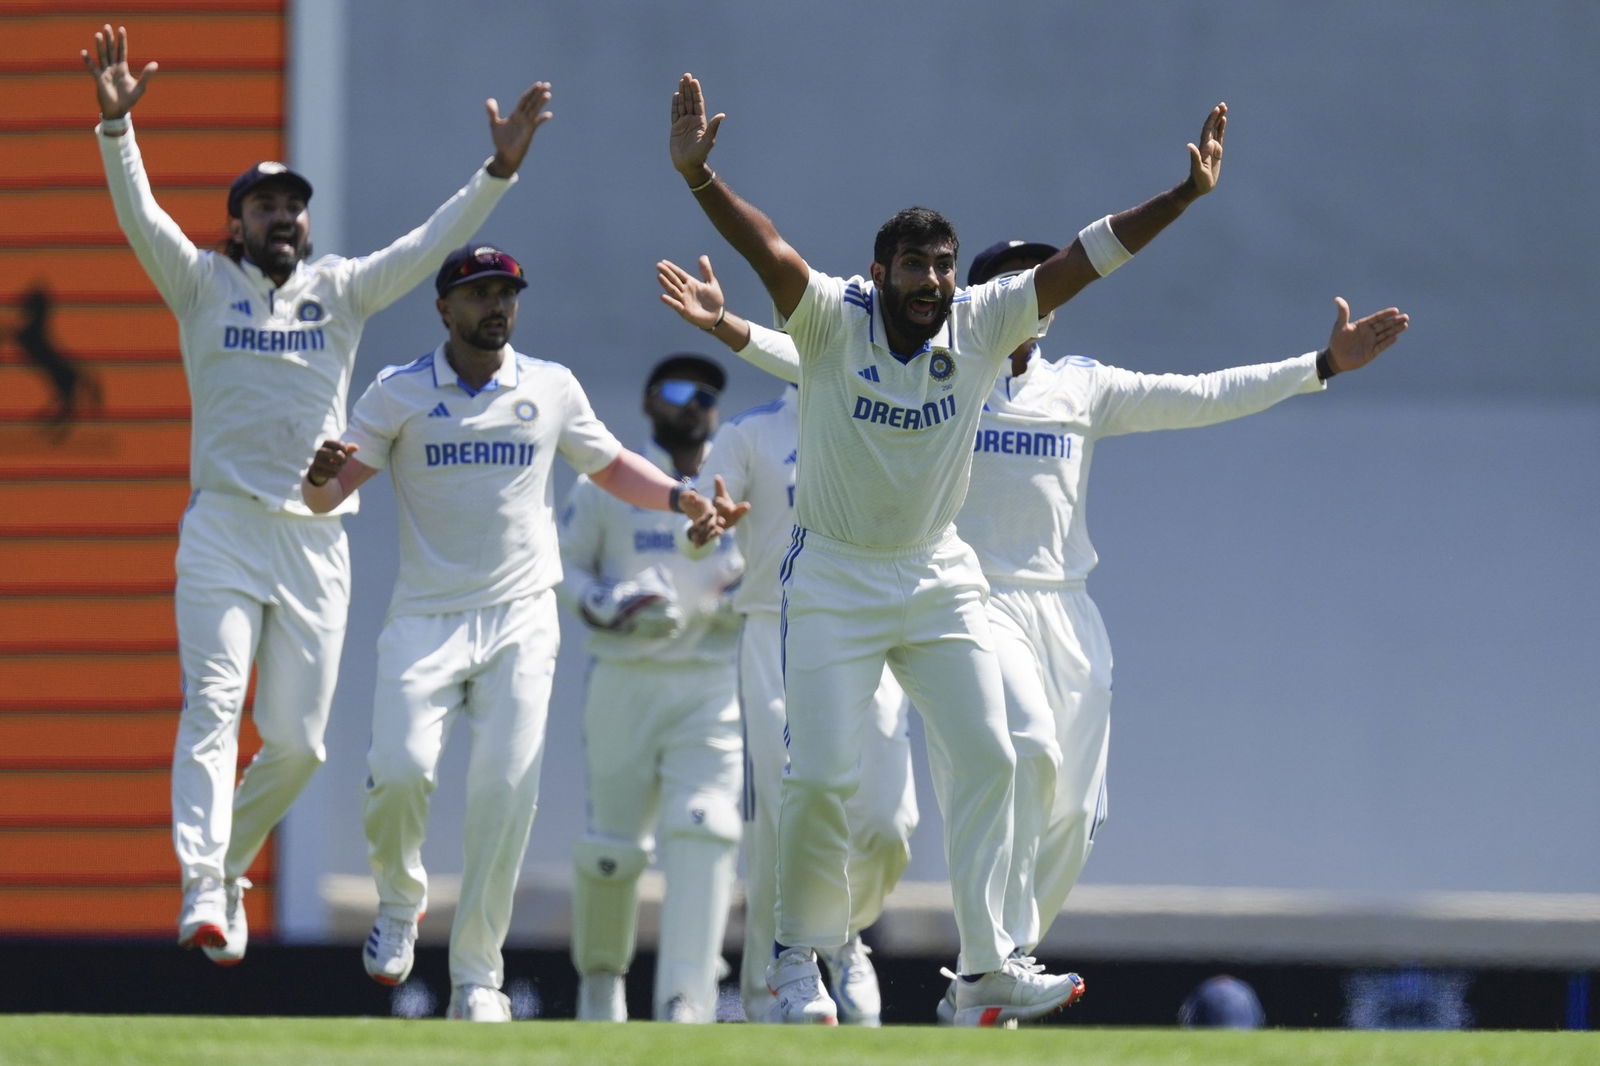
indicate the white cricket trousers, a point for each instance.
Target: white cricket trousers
{"x":272,"y":588}
{"x":662,"y":747}
{"x":493,"y":667}
{"x":1055,"y":659}
{"x":847,"y":610}
{"x":882,"y":814}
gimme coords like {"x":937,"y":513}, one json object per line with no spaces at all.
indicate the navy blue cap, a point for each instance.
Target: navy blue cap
{"x":264,"y":171}
{"x":986,"y":264}
{"x":477,"y":260}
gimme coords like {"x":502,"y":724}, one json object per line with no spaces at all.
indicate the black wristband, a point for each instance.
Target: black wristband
{"x":1324,"y":365}
{"x":673,"y":496}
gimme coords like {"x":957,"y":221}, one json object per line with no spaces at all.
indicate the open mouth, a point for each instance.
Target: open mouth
{"x":923,"y":308}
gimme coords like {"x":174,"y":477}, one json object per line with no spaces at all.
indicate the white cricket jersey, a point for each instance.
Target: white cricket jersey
{"x":603,"y":538}
{"x":269,"y":367}
{"x":471,"y":475}
{"x":1026,"y":514}
{"x":886,"y":440}
{"x":754,"y":453}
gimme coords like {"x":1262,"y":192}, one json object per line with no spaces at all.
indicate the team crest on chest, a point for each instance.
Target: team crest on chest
{"x":941,"y":365}
{"x":310,"y":311}
{"x":526,"y":410}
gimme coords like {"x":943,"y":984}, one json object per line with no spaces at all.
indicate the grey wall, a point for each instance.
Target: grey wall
{"x":1356,"y":636}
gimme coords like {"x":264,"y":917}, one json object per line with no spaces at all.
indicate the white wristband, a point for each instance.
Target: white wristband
{"x":1102,"y":246}
{"x":113,"y":127}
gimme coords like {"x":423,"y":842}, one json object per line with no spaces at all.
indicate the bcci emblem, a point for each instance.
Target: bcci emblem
{"x":526,"y":410}
{"x":310,"y":311}
{"x":941,"y":366}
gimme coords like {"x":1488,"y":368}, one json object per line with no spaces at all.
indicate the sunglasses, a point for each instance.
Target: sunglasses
{"x":681,"y":393}
{"x":488,"y":261}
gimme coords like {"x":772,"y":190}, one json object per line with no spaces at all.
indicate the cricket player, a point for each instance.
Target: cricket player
{"x":660,"y":718}
{"x":894,"y":370}
{"x":1024,"y":517}
{"x":469,"y":433}
{"x":268,"y":339}
{"x":754,"y":454}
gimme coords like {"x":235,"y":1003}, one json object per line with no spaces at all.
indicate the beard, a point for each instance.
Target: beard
{"x":917,"y":333}
{"x":489,"y":335}
{"x":676,"y":437}
{"x":272,"y":258}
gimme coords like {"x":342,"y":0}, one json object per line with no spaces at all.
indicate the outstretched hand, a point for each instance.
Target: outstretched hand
{"x":1352,"y":345}
{"x":698,"y":301}
{"x":692,"y":137}
{"x":711,"y":518}
{"x":1205,"y":161}
{"x":513,"y":134}
{"x":114,"y":84}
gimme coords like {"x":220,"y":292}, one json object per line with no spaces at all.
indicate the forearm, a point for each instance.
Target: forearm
{"x":765,"y":349}
{"x":1138,"y":226}
{"x":635,"y":480}
{"x":161,"y":247}
{"x":751,"y":233}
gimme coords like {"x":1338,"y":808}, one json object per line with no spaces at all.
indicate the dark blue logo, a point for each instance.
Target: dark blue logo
{"x":310,"y":311}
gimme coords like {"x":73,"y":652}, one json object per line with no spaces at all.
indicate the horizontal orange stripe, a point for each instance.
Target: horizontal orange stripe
{"x":53,"y":564}
{"x":71,"y":216}
{"x":98,"y":857}
{"x":167,"y":39}
{"x":141,"y":390}
{"x":207,"y":158}
{"x":89,"y":622}
{"x":102,"y":333}
{"x":101,"y":506}
{"x":112,"y":912}
{"x":200,"y":98}
{"x":90,"y":682}
{"x":108,"y":272}
{"x":137,"y":449}
{"x":49,"y":798}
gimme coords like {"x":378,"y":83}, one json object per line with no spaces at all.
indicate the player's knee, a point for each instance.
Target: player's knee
{"x":608,"y":859}
{"x":395,"y":766}
{"x":702,"y":815}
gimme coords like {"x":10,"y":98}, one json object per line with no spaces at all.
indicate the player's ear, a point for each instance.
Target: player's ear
{"x":444,"y":311}
{"x":879,"y":272}
{"x":236,"y":229}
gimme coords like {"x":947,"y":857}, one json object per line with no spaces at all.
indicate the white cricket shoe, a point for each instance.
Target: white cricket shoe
{"x":478,"y":1003}
{"x":1019,"y":991}
{"x":203,"y":921}
{"x":855,"y":983}
{"x":793,"y":977}
{"x":390,"y":950}
{"x":601,"y":998}
{"x":231,"y":953}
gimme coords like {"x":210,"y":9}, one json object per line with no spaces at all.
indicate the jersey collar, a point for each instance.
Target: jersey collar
{"x":445,"y":376}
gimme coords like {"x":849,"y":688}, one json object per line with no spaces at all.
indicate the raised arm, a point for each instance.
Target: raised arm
{"x":1352,"y":345}
{"x":751,"y":233}
{"x":513,"y":134}
{"x":114,"y":84}
{"x":699,"y":302}
{"x":1103,"y":246}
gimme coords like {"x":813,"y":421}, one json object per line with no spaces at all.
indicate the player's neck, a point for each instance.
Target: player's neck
{"x":475,"y":367}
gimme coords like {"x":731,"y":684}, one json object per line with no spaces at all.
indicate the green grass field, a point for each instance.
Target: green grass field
{"x":69,"y":1040}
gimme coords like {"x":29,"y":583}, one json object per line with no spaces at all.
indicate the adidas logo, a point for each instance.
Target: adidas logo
{"x":794,"y":457}
{"x":870,"y":373}
{"x":440,"y":411}
{"x":243,"y":307}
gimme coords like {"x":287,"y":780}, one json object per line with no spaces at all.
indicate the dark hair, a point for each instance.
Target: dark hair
{"x":914,"y":225}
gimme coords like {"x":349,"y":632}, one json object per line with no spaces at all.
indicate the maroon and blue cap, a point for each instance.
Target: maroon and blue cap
{"x":264,"y":171}
{"x":477,"y":260}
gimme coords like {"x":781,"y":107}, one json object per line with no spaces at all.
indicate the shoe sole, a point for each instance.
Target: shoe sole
{"x":1007,"y":1017}
{"x":220,"y":959}
{"x":205,"y":935}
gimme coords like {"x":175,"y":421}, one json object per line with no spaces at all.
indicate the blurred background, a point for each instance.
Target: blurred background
{"x":1356,"y":675}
